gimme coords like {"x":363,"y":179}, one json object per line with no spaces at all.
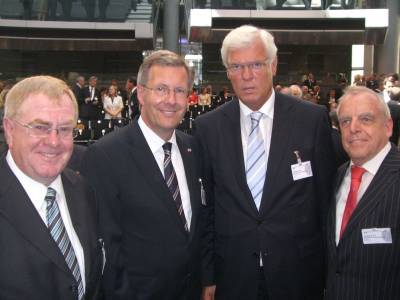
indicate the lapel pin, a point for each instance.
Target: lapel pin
{"x":189,"y":150}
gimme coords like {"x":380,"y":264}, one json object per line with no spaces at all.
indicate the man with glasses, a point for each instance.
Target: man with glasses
{"x":267,"y":170}
{"x":48,"y":233}
{"x":146,"y":177}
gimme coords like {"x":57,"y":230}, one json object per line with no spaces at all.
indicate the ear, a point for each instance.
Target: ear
{"x":8,"y":127}
{"x":227,"y":75}
{"x":140,"y":93}
{"x":274,"y":66}
{"x":389,"y":127}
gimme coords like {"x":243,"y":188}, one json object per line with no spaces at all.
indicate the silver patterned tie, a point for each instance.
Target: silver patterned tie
{"x":256,"y":160}
{"x":60,"y":236}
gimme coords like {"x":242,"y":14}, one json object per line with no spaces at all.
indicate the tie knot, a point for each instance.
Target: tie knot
{"x":256,"y":116}
{"x":167,"y":147}
{"x":50,"y":196}
{"x":357,"y":172}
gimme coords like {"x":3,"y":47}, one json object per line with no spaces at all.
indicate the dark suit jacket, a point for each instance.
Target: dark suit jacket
{"x":368,"y":272}
{"x":31,"y":262}
{"x":394,"y":107}
{"x":91,"y":110}
{"x":149,"y":254}
{"x":287,"y":231}
{"x":78,"y":92}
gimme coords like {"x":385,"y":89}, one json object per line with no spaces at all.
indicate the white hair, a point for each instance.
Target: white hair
{"x":244,"y":36}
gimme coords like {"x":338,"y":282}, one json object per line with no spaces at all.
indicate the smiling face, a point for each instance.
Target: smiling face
{"x":42,"y":159}
{"x":253,"y":87}
{"x":365,"y":128}
{"x":163,"y":113}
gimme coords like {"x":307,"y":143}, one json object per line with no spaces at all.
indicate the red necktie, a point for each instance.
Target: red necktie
{"x":351,"y":203}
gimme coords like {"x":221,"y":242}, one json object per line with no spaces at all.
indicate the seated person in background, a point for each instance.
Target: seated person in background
{"x":204,"y":97}
{"x":193,"y":97}
{"x":113,"y":104}
{"x":296,"y":91}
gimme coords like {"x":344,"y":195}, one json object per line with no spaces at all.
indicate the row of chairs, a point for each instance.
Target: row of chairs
{"x":91,"y":130}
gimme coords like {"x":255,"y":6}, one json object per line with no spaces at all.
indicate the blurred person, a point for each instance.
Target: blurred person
{"x":388,"y":84}
{"x":193,"y":98}
{"x":363,"y":244}
{"x":278,"y":88}
{"x":112,"y":104}
{"x":89,"y":108}
{"x":149,"y":191}
{"x":286,"y":90}
{"x":317,"y":97}
{"x":204,"y":98}
{"x":296,"y":91}
{"x":309,"y":81}
{"x":264,"y":220}
{"x":78,"y":89}
{"x":305,"y":93}
{"x":48,"y":223}
{"x":132,"y":100}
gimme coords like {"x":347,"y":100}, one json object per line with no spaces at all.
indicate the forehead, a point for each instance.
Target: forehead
{"x":41,"y":106}
{"x":360,"y":103}
{"x":254,"y":51}
{"x":168,"y":75}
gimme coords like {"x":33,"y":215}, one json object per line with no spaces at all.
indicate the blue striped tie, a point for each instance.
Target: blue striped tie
{"x":256,"y":160}
{"x":60,"y":236}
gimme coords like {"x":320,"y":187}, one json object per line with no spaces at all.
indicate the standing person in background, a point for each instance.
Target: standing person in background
{"x":78,"y":89}
{"x":113,"y":104}
{"x":267,"y":171}
{"x":48,"y":224}
{"x":132,"y":101}
{"x":149,"y":191}
{"x":363,"y":224}
{"x":89,"y":108}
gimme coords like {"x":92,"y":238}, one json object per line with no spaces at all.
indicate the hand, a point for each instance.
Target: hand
{"x":208,"y":293}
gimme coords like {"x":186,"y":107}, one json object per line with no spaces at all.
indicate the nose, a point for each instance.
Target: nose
{"x":171,"y":96}
{"x":53,"y":138}
{"x":354,"y":126}
{"x":247,"y":72}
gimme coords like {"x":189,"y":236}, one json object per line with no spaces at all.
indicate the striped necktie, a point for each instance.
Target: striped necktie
{"x":60,"y":236}
{"x":172,"y":183}
{"x":256,"y":160}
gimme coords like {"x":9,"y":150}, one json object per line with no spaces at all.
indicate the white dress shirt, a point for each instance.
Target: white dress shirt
{"x":265,"y":125}
{"x":371,"y":168}
{"x":155,"y":143}
{"x":36,"y":192}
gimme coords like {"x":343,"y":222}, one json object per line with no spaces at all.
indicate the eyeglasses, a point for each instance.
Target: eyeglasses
{"x":42,"y":131}
{"x":256,"y":66}
{"x":164,"y":91}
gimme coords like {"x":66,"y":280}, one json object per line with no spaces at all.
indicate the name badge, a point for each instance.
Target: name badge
{"x":376,"y":236}
{"x":202,"y":193}
{"x":301,"y":170}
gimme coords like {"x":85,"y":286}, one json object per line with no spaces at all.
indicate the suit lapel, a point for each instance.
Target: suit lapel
{"x":17,"y":208}
{"x":385,"y":177}
{"x":281,"y":134}
{"x":148,"y":167}
{"x":234,"y":148}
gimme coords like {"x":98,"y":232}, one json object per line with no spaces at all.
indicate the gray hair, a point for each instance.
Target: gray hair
{"x":163,"y":58}
{"x":244,"y":36}
{"x":357,"y":90}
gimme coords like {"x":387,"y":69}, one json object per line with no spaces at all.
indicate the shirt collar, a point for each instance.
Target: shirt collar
{"x":374,"y":163}
{"x":35,"y":190}
{"x":267,"y":109}
{"x":152,"y":139}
